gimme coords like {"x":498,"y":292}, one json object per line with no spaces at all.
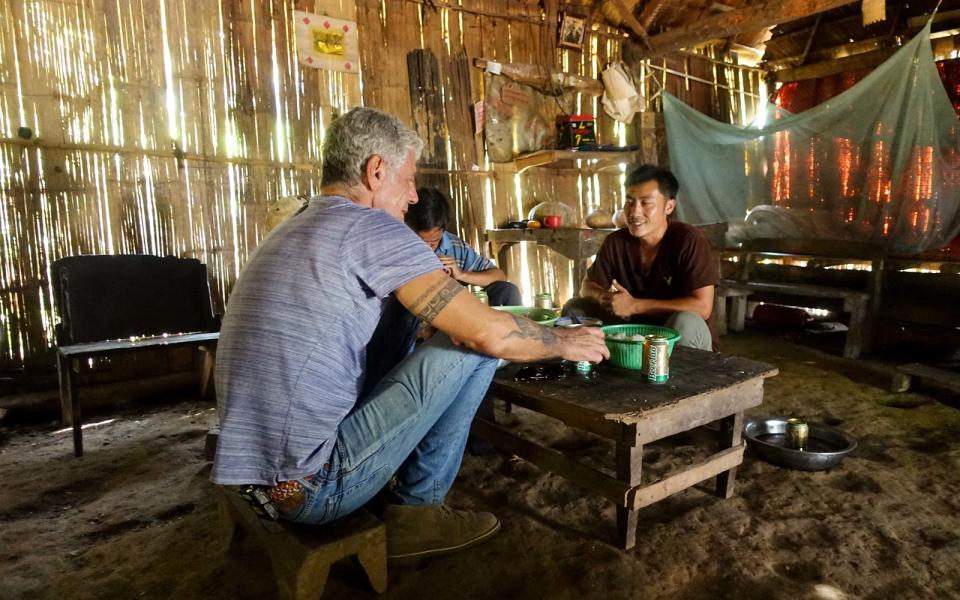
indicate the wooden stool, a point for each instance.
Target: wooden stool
{"x":301,"y":555}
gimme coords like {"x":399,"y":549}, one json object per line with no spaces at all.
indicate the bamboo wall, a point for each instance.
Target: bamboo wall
{"x":166,"y":127}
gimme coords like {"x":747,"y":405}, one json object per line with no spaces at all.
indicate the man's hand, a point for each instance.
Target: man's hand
{"x":583,"y":343}
{"x":451,"y":267}
{"x":622,"y":303}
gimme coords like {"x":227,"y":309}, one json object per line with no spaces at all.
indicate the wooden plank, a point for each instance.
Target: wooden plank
{"x":571,"y":414}
{"x":833,"y":52}
{"x":537,"y":77}
{"x":543,"y":158}
{"x":798,"y":289}
{"x":929,"y":374}
{"x":106,"y":347}
{"x":717,"y":464}
{"x":752,"y":17}
{"x":867,"y":60}
{"x":635,"y":25}
{"x":696,"y":411}
{"x":552,"y":461}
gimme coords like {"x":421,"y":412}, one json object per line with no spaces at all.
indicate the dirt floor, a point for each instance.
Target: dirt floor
{"x":135,"y":517}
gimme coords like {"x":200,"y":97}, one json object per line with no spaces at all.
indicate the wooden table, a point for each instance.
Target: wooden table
{"x":704,"y":388}
{"x":579,"y":245}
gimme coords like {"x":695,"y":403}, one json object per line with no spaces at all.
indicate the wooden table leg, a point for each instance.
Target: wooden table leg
{"x":629,"y":459}
{"x":66,"y":408}
{"x":70,"y":401}
{"x":731,"y":429}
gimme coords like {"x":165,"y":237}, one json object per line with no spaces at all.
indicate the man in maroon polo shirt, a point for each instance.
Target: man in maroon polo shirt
{"x":656,"y":270}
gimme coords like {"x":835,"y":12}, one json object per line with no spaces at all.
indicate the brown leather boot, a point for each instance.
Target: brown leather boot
{"x":418,"y":531}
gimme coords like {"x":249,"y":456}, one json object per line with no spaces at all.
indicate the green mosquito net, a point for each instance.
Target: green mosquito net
{"x":879,"y":163}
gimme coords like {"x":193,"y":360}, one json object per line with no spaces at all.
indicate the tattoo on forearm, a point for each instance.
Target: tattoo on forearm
{"x":436,"y":298}
{"x":527,"y":329}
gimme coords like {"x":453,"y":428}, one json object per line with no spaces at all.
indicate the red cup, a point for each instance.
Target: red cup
{"x":552,"y":221}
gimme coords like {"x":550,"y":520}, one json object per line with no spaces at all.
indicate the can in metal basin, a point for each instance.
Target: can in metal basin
{"x":656,"y":358}
{"x":543,"y":300}
{"x":797,"y":433}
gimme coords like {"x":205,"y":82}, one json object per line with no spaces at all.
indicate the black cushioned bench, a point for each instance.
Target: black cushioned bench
{"x":125,"y":303}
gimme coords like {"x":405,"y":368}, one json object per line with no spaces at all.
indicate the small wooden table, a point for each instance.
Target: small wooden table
{"x":704,"y":388}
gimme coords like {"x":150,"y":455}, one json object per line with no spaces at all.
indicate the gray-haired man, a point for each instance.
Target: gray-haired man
{"x":290,"y":362}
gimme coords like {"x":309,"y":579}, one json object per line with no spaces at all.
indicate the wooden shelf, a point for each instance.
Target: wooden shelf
{"x":542,"y":158}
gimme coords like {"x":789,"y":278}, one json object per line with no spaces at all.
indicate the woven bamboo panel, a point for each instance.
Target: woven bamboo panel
{"x":167,"y":126}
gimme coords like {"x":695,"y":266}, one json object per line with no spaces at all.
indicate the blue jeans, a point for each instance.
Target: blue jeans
{"x":413,"y":424}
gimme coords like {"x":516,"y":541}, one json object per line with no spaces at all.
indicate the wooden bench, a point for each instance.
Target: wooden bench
{"x":905,"y":374}
{"x":619,"y":405}
{"x":861,"y":300}
{"x":126,"y":303}
{"x":301,"y":555}
{"x":855,"y":303}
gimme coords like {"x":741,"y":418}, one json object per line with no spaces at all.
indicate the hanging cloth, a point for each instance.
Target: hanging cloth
{"x":620,"y":97}
{"x":878,"y":163}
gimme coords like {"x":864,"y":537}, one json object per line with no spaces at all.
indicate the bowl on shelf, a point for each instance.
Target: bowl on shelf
{"x":553,"y":209}
{"x":628,"y":353}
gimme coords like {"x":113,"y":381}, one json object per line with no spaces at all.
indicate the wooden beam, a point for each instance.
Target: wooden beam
{"x":541,"y":78}
{"x":632,"y":22}
{"x":834,"y":52}
{"x":920,"y":21}
{"x":752,"y":18}
{"x":651,"y":12}
{"x":806,"y":48}
{"x":638,"y":497}
{"x":832,"y":67}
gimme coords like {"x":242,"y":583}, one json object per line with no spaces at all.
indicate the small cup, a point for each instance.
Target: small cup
{"x":551,"y":221}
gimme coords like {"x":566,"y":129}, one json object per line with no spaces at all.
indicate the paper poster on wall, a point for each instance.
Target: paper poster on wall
{"x":327,"y":43}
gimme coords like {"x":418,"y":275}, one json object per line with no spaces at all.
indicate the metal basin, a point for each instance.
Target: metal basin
{"x":826,"y":446}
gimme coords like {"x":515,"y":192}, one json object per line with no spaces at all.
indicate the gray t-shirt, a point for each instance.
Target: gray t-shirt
{"x":292,"y":350}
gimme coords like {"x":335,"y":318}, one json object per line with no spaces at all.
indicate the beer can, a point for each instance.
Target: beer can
{"x":544,"y":300}
{"x":797,"y":433}
{"x":482,"y":296}
{"x":656,"y":358}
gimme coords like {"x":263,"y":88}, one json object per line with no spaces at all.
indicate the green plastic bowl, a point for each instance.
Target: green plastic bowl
{"x":628,"y":354}
{"x":543,"y":316}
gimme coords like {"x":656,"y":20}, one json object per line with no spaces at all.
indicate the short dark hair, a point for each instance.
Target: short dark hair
{"x":666,"y":182}
{"x":432,"y":210}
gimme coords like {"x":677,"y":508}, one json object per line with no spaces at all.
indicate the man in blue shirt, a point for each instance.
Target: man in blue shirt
{"x":430,"y":219}
{"x":397,"y":332}
{"x":291,"y":360}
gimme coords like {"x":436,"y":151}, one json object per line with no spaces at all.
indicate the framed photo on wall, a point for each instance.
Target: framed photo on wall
{"x":572,"y":29}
